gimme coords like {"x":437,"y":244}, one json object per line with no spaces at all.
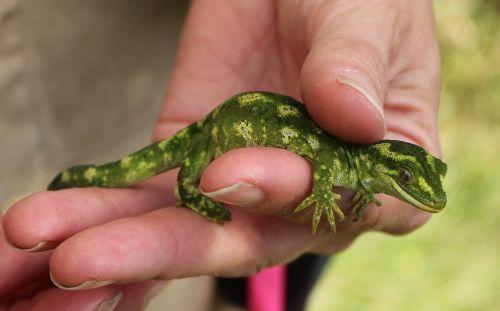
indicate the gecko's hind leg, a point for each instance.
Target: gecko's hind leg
{"x":187,"y":188}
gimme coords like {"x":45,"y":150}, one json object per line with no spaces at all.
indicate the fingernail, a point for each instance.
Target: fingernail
{"x":84,"y":285}
{"x":241,"y":194}
{"x":110,"y":304}
{"x":40,"y":247}
{"x":359,"y":82}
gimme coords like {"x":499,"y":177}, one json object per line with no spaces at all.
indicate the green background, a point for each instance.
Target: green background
{"x":453,"y":262}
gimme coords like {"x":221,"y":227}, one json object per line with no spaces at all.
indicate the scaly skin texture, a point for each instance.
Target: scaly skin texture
{"x":396,"y":168}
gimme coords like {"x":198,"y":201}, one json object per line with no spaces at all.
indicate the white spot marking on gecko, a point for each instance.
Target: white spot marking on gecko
{"x":65,"y":177}
{"x":143,"y":165}
{"x":244,"y":129}
{"x":286,"y":111}
{"x":125,"y":162}
{"x":288,"y":133}
{"x":163,"y":144}
{"x":316,"y":176}
{"x":249,"y":98}
{"x":186,"y":182}
{"x":313,"y":142}
{"x":90,"y":173}
{"x":214,"y":131}
{"x":131,"y":176}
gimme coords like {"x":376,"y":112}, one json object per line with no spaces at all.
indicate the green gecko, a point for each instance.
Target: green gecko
{"x":396,"y":168}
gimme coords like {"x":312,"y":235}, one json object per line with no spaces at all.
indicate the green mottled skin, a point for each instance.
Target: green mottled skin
{"x":396,"y":168}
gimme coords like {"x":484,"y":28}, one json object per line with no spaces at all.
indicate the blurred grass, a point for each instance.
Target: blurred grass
{"x":452,"y":263}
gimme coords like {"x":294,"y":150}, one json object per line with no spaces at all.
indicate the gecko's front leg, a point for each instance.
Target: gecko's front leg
{"x":322,"y":197}
{"x":362,"y":198}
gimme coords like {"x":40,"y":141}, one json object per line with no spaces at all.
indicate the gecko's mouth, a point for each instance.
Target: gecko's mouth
{"x":421,"y":203}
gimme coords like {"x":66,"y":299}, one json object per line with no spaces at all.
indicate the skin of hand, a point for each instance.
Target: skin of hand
{"x":365,"y":70}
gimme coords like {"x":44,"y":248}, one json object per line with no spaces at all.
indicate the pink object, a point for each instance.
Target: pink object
{"x":266,"y":290}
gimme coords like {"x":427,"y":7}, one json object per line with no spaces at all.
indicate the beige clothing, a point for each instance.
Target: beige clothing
{"x":76,"y":78}
{"x":80,"y":82}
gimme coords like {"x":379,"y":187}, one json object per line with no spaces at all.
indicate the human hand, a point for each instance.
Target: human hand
{"x":343,"y":57}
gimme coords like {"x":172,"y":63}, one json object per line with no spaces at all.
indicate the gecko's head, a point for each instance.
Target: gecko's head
{"x":409,"y":173}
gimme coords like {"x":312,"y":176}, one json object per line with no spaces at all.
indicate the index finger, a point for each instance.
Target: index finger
{"x":18,"y":269}
{"x":43,"y":220}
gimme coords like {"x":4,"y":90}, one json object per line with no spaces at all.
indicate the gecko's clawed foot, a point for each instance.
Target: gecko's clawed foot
{"x":323,"y":202}
{"x":211,"y":210}
{"x":361,"y":201}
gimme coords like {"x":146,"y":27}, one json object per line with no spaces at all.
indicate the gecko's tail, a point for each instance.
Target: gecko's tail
{"x":62,"y":180}
{"x":138,"y":166}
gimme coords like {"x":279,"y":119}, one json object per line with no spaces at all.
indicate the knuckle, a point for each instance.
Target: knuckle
{"x":369,"y":56}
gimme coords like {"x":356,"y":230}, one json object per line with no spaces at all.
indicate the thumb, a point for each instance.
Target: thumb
{"x":343,"y":79}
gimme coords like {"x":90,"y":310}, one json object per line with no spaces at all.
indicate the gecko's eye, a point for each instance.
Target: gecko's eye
{"x":405,"y":175}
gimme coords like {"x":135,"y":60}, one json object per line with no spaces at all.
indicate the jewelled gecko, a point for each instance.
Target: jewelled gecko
{"x":263,"y":119}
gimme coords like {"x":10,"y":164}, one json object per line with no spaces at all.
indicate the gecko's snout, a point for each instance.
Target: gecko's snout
{"x":439,"y":202}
